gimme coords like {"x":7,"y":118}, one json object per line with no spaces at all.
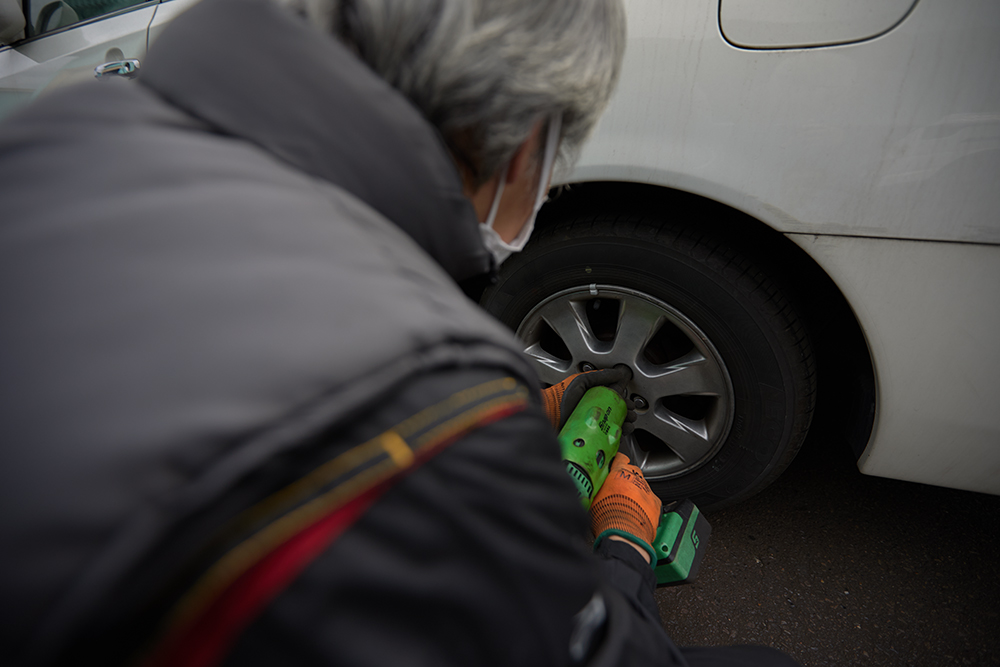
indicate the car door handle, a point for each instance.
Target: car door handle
{"x":128,"y":69}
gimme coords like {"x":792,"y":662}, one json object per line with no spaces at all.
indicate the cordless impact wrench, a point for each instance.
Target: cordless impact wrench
{"x":589,"y":441}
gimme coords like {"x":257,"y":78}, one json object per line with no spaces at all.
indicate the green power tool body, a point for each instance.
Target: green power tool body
{"x":589,"y":441}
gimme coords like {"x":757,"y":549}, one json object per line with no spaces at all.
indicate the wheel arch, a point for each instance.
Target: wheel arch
{"x":847,"y":388}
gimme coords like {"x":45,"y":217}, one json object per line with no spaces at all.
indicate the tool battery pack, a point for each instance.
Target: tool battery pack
{"x":680,"y":544}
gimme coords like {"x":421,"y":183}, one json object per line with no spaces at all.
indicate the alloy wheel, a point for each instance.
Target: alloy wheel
{"x":683,"y":392}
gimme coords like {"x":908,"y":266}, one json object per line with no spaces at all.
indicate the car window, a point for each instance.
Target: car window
{"x":47,"y":15}
{"x":11,"y":21}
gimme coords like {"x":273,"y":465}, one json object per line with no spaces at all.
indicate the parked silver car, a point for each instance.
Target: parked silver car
{"x":49,"y":43}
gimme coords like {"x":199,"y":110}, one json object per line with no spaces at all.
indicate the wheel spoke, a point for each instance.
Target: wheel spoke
{"x":637,"y":323}
{"x":687,"y":438}
{"x":550,"y":369}
{"x":691,"y":374}
{"x":631,"y":449}
{"x":568,"y":319}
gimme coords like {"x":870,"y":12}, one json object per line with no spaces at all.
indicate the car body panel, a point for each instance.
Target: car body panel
{"x":777,"y":24}
{"x":896,"y":137}
{"x":70,"y":55}
{"x":931,"y":314}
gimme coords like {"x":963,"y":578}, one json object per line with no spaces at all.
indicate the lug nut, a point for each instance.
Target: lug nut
{"x":640,"y":402}
{"x":586,"y":367}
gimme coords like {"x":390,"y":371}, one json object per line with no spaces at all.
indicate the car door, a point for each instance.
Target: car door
{"x":65,"y":40}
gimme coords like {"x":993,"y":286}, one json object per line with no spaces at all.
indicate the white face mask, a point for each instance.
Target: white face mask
{"x":501,"y":249}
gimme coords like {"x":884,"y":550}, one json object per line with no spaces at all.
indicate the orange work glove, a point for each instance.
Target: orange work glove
{"x":626,"y":506}
{"x":559,"y":400}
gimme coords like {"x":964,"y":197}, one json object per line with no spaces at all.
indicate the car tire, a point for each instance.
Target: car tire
{"x":723,"y":371}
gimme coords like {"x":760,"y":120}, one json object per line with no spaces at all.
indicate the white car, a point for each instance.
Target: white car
{"x":789,"y":213}
{"x":788,"y":218}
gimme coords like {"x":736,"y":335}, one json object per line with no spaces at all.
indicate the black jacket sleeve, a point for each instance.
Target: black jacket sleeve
{"x":479,"y":557}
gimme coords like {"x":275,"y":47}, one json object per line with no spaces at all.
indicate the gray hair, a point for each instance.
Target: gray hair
{"x":483,"y":72}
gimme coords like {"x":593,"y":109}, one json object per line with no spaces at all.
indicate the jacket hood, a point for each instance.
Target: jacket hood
{"x":255,"y":71}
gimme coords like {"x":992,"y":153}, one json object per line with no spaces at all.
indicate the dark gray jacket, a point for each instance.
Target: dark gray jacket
{"x":214,"y":282}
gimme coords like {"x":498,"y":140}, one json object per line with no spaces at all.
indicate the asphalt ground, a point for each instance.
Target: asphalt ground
{"x":838,"y":568}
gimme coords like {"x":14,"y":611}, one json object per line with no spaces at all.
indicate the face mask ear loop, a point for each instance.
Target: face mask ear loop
{"x":551,"y":142}
{"x":495,"y":206}
{"x":548,"y":160}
